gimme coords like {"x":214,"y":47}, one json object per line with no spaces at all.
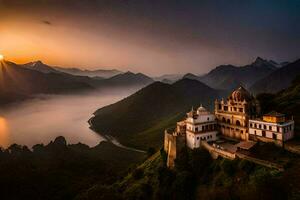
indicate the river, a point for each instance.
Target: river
{"x":45,"y":117}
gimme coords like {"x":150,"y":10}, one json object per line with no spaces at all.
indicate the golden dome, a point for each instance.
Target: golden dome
{"x":240,"y":94}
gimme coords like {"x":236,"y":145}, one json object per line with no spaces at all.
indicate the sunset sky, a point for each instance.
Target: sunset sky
{"x":153,"y":37}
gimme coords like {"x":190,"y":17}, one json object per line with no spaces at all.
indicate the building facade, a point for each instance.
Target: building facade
{"x":234,"y":114}
{"x":235,"y":118}
{"x":273,"y":127}
{"x":200,"y":125}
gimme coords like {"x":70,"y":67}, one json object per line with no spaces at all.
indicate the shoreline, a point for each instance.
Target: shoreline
{"x":113,"y":140}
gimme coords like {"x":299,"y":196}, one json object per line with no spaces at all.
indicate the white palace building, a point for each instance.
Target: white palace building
{"x":234,"y":119}
{"x":200,"y":125}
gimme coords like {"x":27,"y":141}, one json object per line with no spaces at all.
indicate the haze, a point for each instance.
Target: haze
{"x":153,"y":37}
{"x":42,"y":119}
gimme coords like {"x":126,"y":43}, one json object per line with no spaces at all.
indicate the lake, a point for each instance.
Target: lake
{"x":42,"y":119}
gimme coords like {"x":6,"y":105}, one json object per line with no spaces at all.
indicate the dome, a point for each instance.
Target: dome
{"x":202,"y":110}
{"x":241,"y":94}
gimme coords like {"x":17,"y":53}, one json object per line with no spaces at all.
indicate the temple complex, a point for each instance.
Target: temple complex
{"x":236,"y":118}
{"x":233,"y":114}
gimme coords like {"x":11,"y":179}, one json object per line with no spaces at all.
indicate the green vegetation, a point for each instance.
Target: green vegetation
{"x":139,"y":120}
{"x":61,"y":171}
{"x":197,"y":176}
{"x":286,"y":101}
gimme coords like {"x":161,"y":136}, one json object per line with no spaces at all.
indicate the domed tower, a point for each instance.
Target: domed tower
{"x":233,"y":115}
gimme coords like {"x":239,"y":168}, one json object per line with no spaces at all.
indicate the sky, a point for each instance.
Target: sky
{"x":150,"y":36}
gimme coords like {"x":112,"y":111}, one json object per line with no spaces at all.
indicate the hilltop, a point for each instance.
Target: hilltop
{"x":140,"y":119}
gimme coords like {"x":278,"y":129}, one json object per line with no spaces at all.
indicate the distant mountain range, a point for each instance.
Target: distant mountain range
{"x":40,"y":66}
{"x":100,"y":73}
{"x":168,"y":78}
{"x":140,"y":119}
{"x":91,"y":73}
{"x":277,"y":80}
{"x":21,"y":81}
{"x":229,"y":77}
{"x":260,"y":76}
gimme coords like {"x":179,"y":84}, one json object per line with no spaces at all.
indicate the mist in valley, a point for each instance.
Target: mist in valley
{"x":45,"y":117}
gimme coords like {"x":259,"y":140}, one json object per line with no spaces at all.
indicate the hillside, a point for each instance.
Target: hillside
{"x":286,"y":101}
{"x":127,"y":79}
{"x":140,"y":119}
{"x":19,"y":81}
{"x":22,"y":81}
{"x":228,"y":77}
{"x":278,"y":79}
{"x":59,"y":170}
{"x":198,"y":176}
{"x":41,"y":67}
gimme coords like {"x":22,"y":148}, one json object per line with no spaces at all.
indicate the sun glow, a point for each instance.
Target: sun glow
{"x":4,"y":132}
{"x":1,"y":57}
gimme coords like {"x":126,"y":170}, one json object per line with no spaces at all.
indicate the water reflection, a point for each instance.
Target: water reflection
{"x":41,"y":120}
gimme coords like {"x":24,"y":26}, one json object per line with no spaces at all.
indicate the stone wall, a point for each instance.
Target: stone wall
{"x":215,"y":152}
{"x":172,"y":144}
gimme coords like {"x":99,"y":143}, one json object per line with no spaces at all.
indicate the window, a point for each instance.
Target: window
{"x":196,"y":129}
{"x":197,"y":138}
{"x":240,"y":109}
{"x":238,"y":123}
{"x":208,"y":119}
{"x":274,"y":136}
{"x":251,"y":125}
{"x":278,"y":129}
{"x":270,"y":128}
{"x":234,"y":108}
{"x":264,"y":133}
{"x":265,"y":127}
{"x":226,"y":108}
{"x":254,"y":132}
{"x":259,"y":126}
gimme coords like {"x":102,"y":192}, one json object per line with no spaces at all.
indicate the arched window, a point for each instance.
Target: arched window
{"x":228,"y":121}
{"x":223,"y":119}
{"x":238,"y":123}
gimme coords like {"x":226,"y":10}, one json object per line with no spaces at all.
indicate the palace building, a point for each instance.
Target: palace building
{"x":236,"y":118}
{"x":273,"y":127}
{"x":200,"y":125}
{"x":233,"y":114}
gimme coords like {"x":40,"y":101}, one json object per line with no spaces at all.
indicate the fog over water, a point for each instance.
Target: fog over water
{"x":42,"y":119}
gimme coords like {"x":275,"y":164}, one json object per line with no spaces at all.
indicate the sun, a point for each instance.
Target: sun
{"x":1,"y":57}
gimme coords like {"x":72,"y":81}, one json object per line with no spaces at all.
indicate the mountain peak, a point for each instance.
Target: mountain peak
{"x":259,"y":61}
{"x":38,"y":62}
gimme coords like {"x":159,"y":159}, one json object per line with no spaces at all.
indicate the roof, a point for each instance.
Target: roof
{"x":240,"y":94}
{"x":245,"y":145}
{"x":274,"y":114}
